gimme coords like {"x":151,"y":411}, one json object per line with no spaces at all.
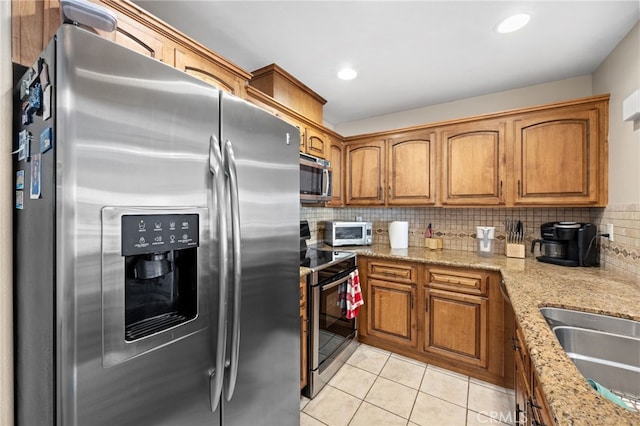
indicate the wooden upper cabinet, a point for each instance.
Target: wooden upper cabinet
{"x":315,"y":143}
{"x":557,"y":157}
{"x":136,"y":36}
{"x":411,"y":169}
{"x":336,"y":157}
{"x":199,"y":67}
{"x":472,"y":169}
{"x":365,"y":173}
{"x":34,"y":22}
{"x":276,"y":82}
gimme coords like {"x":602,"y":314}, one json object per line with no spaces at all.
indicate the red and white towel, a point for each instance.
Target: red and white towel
{"x":354,"y":295}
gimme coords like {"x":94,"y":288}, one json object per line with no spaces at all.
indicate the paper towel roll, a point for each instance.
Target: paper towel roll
{"x":399,"y":234}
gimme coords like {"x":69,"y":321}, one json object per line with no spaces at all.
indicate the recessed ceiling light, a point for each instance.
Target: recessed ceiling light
{"x":513,"y":23}
{"x":347,"y":74}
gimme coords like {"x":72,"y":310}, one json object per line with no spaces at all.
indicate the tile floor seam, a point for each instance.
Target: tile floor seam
{"x":393,"y":381}
{"x":355,"y":412}
{"x":466,"y":407}
{"x":315,"y":418}
{"x":381,"y":408}
{"x":413,"y":407}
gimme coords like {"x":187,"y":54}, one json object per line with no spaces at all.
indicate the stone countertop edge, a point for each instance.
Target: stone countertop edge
{"x":304,"y":271}
{"x":531,"y":285}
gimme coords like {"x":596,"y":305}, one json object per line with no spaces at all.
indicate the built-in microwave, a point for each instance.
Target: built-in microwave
{"x":338,"y":233}
{"x":315,"y":179}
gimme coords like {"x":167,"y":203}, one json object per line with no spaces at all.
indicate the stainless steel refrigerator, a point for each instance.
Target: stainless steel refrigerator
{"x":156,"y":246}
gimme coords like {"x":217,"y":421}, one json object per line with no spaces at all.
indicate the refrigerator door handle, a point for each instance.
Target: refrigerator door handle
{"x":230,"y":168}
{"x":218,"y":180}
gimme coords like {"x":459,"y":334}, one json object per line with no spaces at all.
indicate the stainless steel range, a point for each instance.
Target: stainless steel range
{"x":332,"y":337}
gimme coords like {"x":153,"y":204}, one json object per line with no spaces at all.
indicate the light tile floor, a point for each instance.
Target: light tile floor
{"x":380,"y":388}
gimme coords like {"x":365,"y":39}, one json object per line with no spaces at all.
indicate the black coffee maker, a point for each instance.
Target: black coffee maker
{"x":568,"y":244}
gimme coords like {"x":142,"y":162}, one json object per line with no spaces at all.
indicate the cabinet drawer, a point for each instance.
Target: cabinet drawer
{"x":398,"y":272}
{"x":471,"y":282}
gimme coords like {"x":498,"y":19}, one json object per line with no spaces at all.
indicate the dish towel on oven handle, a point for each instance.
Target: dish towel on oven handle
{"x":354,"y":295}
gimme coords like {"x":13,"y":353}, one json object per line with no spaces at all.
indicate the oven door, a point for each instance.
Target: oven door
{"x":331,"y":330}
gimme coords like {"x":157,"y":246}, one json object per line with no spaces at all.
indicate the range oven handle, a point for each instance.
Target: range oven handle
{"x":229,"y":161}
{"x":335,"y":283}
{"x":218,"y":182}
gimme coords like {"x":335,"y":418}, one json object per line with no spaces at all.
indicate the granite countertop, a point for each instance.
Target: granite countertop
{"x":530,"y":285}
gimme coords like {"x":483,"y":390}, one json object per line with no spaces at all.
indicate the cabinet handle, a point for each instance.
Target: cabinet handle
{"x":426,"y":304}
{"x":501,"y":189}
{"x":390,"y":191}
{"x":533,"y":404}
{"x":514,"y":343}
{"x":518,"y":187}
{"x":412,"y":301}
{"x":518,"y":411}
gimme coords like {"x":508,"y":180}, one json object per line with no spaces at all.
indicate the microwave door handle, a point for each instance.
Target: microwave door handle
{"x":218,"y":183}
{"x":325,"y":182}
{"x":230,"y":169}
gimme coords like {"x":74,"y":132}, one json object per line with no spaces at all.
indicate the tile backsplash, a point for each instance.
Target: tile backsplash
{"x":623,"y":253}
{"x":457,"y":227}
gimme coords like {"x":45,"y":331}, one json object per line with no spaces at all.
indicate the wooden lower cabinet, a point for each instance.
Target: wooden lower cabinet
{"x":390,"y":292}
{"x":531,"y":406}
{"x":456,"y":320}
{"x":456,"y":326}
{"x":303,"y":332}
{"x":392,"y":314}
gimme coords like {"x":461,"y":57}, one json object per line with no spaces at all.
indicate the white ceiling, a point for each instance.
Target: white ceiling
{"x":408,"y":54}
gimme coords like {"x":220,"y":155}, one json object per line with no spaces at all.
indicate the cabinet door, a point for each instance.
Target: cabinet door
{"x":303,"y":332}
{"x":336,"y":152}
{"x":556,"y":157}
{"x":539,"y":406}
{"x":33,"y":25}
{"x":365,"y":167}
{"x":473,"y":163}
{"x":411,"y":170}
{"x":522,"y":396}
{"x":316,"y":143}
{"x":136,"y":37}
{"x":199,"y":67}
{"x":456,"y":326}
{"x":391,"y":313}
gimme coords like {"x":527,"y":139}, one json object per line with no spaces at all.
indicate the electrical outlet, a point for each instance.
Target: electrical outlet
{"x":610,"y":231}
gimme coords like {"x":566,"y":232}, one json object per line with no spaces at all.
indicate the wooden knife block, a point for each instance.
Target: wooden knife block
{"x":433,"y":243}
{"x":515,"y":250}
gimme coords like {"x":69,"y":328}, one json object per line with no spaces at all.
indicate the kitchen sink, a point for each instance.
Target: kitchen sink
{"x":603,"y":348}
